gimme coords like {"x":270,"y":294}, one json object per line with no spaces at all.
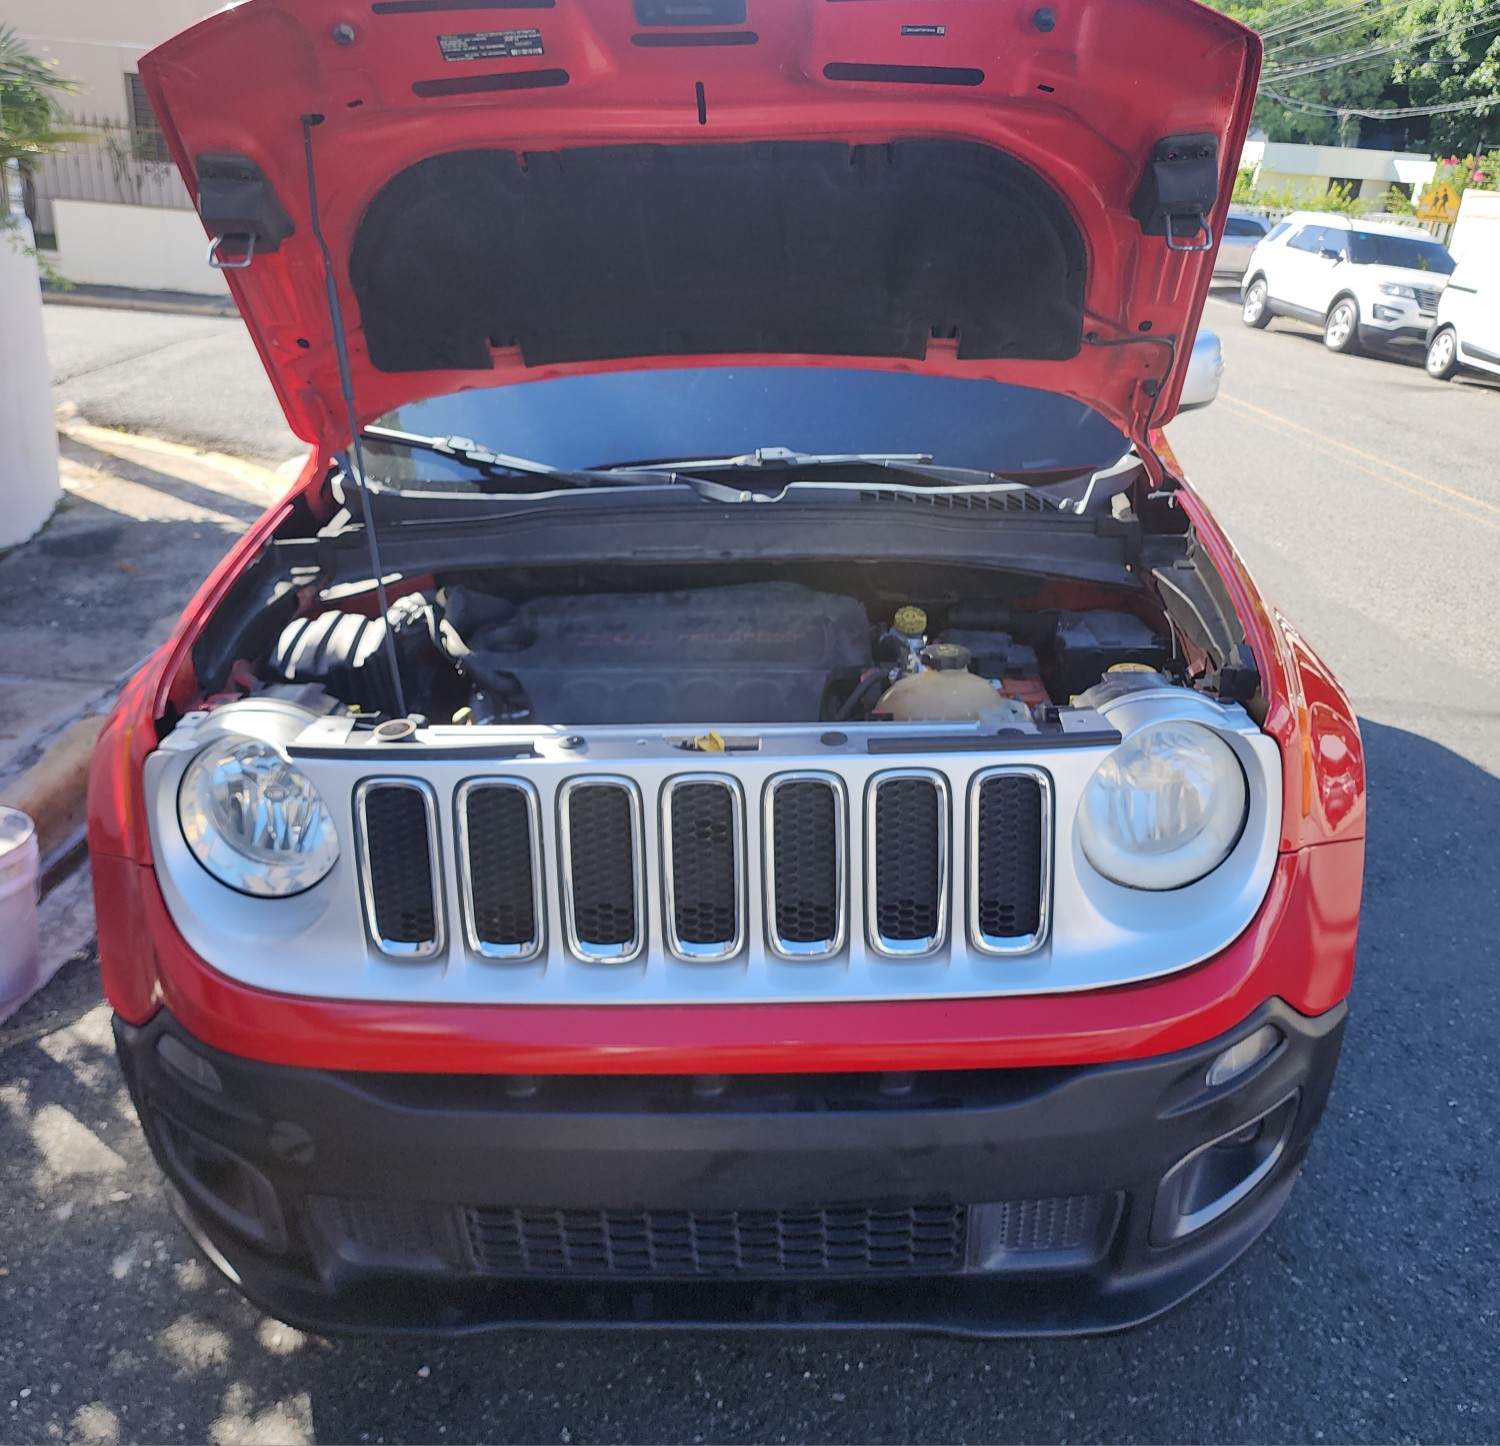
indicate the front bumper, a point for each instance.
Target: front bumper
{"x":983,"y":1202}
{"x":1396,"y":319}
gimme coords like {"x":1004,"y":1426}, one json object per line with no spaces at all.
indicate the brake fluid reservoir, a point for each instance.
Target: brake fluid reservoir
{"x":946,"y":692}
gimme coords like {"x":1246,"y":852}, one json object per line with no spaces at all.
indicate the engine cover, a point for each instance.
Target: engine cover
{"x":756,"y":653}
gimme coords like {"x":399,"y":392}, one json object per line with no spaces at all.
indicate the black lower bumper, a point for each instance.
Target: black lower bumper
{"x":996,"y":1202}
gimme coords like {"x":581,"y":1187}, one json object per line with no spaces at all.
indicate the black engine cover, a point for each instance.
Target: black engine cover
{"x":757,"y":653}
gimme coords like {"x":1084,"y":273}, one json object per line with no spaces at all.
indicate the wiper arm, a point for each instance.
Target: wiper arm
{"x":495,"y":465}
{"x":773,"y":460}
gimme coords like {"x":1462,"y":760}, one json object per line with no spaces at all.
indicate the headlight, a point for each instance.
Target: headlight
{"x":1390,"y":288}
{"x":1165,"y":808}
{"x":254,"y":821}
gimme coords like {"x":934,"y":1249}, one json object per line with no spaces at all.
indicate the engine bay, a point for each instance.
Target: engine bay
{"x":473,"y":649}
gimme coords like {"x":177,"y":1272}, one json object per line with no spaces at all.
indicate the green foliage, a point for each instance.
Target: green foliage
{"x":1281,"y":199}
{"x":1335,"y":57}
{"x":1396,"y":202}
{"x":1359,"y":87}
{"x":1462,"y":63}
{"x":31,"y":118}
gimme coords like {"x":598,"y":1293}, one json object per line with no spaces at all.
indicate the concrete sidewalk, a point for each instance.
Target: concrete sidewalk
{"x":83,"y":602}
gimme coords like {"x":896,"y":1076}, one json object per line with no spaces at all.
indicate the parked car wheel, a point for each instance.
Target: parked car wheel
{"x":1442,"y":354}
{"x":1256,"y":312}
{"x":1341,"y":330}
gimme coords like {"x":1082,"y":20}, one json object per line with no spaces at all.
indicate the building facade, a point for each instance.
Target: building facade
{"x":112,"y":211}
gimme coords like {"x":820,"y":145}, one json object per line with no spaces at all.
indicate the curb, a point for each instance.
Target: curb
{"x":168,"y":303}
{"x":54,"y":791}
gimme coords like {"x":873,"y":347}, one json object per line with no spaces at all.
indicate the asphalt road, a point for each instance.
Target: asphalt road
{"x":1366,"y":498}
{"x":189,"y":379}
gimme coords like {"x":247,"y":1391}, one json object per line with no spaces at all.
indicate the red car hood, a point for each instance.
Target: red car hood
{"x":511,"y":189}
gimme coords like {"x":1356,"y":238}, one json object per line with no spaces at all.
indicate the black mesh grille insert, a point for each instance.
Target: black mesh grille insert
{"x":602,"y":854}
{"x":400,"y":864}
{"x":1047,"y":1227}
{"x":845,"y":1240}
{"x":1009,"y":883}
{"x":805,"y":871}
{"x":705,"y":886}
{"x":908,"y":860}
{"x":502,"y":865}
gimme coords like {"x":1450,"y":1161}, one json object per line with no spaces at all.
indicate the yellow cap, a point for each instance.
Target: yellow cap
{"x":1130,"y":668}
{"x":911,"y":621}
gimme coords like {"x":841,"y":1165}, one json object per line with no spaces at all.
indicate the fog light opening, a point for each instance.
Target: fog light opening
{"x":1243,"y":1056}
{"x":224,"y":1184}
{"x":1217,"y":1176}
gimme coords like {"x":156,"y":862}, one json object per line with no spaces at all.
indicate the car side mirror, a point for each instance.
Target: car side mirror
{"x":1204,"y":369}
{"x":1330,"y":255}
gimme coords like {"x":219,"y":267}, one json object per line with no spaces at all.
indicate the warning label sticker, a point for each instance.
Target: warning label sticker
{"x":924,"y":29}
{"x":491,"y":45}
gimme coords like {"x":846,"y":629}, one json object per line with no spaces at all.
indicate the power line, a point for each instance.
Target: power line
{"x":1332,"y":26}
{"x":1312,"y":108}
{"x":1313,"y":66}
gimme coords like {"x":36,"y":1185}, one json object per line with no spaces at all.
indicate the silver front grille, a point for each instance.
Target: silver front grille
{"x":906,"y":852}
{"x":710,"y":879}
{"x":398,"y":843}
{"x":703,"y":867}
{"x":1427,"y":297}
{"x":498,"y":827}
{"x":603,"y":862}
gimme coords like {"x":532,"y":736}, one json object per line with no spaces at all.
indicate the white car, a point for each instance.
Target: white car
{"x":1466,"y":333}
{"x":1242,"y":233}
{"x":1361,"y":281}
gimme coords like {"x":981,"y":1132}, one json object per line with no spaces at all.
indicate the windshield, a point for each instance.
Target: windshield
{"x":1379,"y":248}
{"x":644,"y":416}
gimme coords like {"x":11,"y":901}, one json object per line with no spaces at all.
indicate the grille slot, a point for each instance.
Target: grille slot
{"x":1009,"y":860}
{"x":603,"y":859}
{"x":907,"y":860}
{"x":499,"y":840}
{"x":805,"y":865}
{"x":398,"y":843}
{"x":703,"y":829}
{"x":839,"y":1241}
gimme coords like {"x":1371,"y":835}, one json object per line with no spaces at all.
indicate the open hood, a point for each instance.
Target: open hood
{"x":512,"y":189}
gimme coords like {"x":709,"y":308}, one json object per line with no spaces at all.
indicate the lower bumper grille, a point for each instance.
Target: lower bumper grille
{"x":842,"y":1241}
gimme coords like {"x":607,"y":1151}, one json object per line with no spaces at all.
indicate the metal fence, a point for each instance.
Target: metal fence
{"x":119,"y":164}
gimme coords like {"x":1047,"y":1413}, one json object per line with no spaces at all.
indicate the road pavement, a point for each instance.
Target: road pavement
{"x":1366,"y":499}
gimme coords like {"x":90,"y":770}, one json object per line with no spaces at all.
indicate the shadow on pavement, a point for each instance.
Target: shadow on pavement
{"x":1369,"y":1312}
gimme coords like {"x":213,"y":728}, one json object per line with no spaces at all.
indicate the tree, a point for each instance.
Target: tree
{"x":31,"y":115}
{"x":1457,"y":64}
{"x":1304,"y":41}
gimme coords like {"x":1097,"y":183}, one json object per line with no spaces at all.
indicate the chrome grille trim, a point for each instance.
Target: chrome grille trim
{"x":874,"y":845}
{"x":396,"y":948}
{"x":812,"y":949}
{"x":632,"y":948}
{"x":689,"y":952}
{"x":488,"y":948}
{"x":985,"y":943}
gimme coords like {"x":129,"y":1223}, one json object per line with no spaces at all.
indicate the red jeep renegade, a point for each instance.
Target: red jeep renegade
{"x":741,"y":785}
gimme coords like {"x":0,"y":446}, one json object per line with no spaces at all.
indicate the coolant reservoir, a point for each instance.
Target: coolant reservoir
{"x":946,"y":692}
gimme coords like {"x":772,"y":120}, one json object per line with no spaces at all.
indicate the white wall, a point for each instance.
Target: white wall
{"x":139,"y":246}
{"x":98,"y":42}
{"x":29,"y":486}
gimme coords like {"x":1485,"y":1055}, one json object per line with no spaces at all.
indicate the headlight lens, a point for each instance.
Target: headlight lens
{"x":1165,"y":808}
{"x":254,"y":821}
{"x":1390,"y":288}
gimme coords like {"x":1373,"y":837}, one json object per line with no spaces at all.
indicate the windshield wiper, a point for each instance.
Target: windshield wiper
{"x":768,"y":462}
{"x":495,"y":466}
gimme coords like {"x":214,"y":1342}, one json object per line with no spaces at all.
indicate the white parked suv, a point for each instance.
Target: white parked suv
{"x":1466,"y":333}
{"x":1361,"y":281}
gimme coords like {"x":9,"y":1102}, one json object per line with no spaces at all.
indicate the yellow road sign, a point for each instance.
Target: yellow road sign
{"x":1439,"y":203}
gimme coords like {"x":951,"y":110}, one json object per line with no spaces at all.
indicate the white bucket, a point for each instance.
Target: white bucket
{"x":20,"y":942}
